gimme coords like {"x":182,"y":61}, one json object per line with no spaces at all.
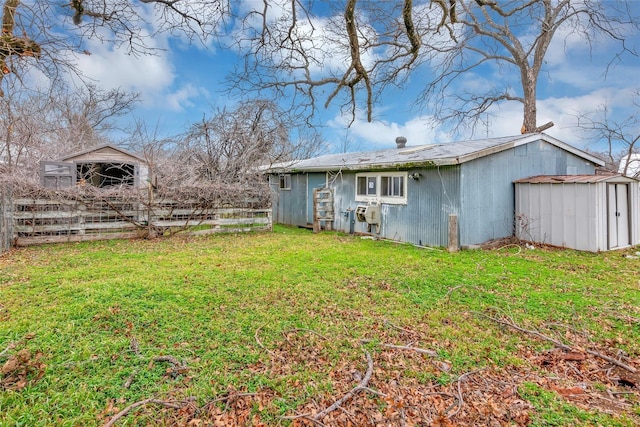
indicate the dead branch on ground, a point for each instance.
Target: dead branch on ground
{"x":510,"y":323}
{"x":362,"y":385}
{"x":459,"y":400}
{"x":177,"y":368}
{"x":4,"y":352}
{"x":406,"y":347}
{"x":166,"y":404}
{"x":228,"y":398}
{"x":304,"y":330}
{"x":398,"y":328}
{"x":455,"y":288}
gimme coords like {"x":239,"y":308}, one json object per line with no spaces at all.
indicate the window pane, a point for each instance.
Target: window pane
{"x":362,"y":186}
{"x":285,"y":182}
{"x":371,"y":186}
{"x":397,"y":186}
{"x":385,"y":190}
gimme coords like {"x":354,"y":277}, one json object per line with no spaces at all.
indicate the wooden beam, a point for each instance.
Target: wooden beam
{"x":453,"y":233}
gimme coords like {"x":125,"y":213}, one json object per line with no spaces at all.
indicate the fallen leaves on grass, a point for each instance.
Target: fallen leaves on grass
{"x":403,"y":384}
{"x":20,"y":369}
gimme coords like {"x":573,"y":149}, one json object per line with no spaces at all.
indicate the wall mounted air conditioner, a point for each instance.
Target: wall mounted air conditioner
{"x":370,"y":214}
{"x":360,"y":211}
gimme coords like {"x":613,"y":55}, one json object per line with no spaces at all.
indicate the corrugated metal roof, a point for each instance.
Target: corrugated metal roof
{"x":451,"y":153}
{"x":566,"y":179}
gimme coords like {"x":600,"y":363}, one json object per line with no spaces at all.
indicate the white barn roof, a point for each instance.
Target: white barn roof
{"x":104,"y":152}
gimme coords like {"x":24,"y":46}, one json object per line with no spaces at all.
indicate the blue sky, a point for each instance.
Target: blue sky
{"x":183,"y":82}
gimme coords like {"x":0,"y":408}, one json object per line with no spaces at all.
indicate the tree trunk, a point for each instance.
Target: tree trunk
{"x":529,"y":83}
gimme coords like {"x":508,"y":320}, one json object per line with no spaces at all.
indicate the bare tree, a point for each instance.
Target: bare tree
{"x":49,"y":35}
{"x":229,"y":146}
{"x":37,"y":126}
{"x":314,"y":53}
{"x":23,"y":130}
{"x":87,"y":115}
{"x":492,"y":32}
{"x":621,"y":135}
{"x":361,"y":48}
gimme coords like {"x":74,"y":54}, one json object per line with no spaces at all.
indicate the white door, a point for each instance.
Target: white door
{"x":618,"y":196}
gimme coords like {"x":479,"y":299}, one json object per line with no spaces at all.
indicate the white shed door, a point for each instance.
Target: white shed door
{"x":618,"y":215}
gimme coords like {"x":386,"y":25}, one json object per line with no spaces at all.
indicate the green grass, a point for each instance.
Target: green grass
{"x":237,"y":309}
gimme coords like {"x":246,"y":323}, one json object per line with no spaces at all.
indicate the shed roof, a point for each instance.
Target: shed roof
{"x":577,"y":179}
{"x":99,"y":151}
{"x":452,"y":153}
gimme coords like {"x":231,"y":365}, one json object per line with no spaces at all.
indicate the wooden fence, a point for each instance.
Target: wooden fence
{"x":37,"y":221}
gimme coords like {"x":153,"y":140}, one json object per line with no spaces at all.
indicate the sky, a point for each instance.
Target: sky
{"x":183,"y":82}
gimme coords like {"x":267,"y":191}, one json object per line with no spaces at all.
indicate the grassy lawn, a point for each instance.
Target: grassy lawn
{"x":273,"y":328}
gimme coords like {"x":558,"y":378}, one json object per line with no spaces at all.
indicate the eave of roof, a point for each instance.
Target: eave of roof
{"x":574,"y":179}
{"x":100,"y":147}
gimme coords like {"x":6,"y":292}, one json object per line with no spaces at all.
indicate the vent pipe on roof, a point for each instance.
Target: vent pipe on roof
{"x":401,"y":141}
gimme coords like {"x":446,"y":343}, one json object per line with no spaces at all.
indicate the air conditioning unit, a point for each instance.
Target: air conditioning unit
{"x":370,"y":214}
{"x":360,"y":213}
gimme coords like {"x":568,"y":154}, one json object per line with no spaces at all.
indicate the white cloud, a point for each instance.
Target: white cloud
{"x":380,"y":134}
{"x":113,"y":68}
{"x":154,"y":77}
{"x":182,"y":97}
{"x":506,"y":119}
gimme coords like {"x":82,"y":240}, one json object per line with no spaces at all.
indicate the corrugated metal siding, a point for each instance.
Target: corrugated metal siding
{"x":290,"y":206}
{"x":565,"y":214}
{"x":488,"y":192}
{"x":423,"y":220}
{"x":573,"y":214}
{"x":436,"y":194}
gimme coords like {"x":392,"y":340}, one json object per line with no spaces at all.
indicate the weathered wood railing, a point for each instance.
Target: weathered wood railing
{"x":37,"y":221}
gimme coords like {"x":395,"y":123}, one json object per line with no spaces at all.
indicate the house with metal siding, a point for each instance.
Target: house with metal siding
{"x":409,"y":193}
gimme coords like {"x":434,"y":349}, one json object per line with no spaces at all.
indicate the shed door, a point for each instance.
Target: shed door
{"x":618,"y":197}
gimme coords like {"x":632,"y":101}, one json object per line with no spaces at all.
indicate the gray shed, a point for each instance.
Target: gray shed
{"x":586,"y":212}
{"x":101,"y":166}
{"x":408,"y":193}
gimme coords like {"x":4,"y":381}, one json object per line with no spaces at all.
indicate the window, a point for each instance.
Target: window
{"x":285,"y":182}
{"x":393,"y":186}
{"x":58,"y":174}
{"x":367,"y":185}
{"x":384,"y":187}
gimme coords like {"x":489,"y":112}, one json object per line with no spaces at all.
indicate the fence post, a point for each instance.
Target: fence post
{"x":6,"y":220}
{"x":453,"y":233}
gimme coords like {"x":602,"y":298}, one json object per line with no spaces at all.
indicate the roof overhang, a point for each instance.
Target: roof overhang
{"x":575,"y":179}
{"x":98,"y":148}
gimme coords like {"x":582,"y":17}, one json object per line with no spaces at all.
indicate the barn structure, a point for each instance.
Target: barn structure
{"x":102,"y":166}
{"x":412,"y":193}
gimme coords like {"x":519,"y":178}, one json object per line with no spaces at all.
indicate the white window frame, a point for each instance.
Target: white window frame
{"x":375,"y":191}
{"x":284,"y":181}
